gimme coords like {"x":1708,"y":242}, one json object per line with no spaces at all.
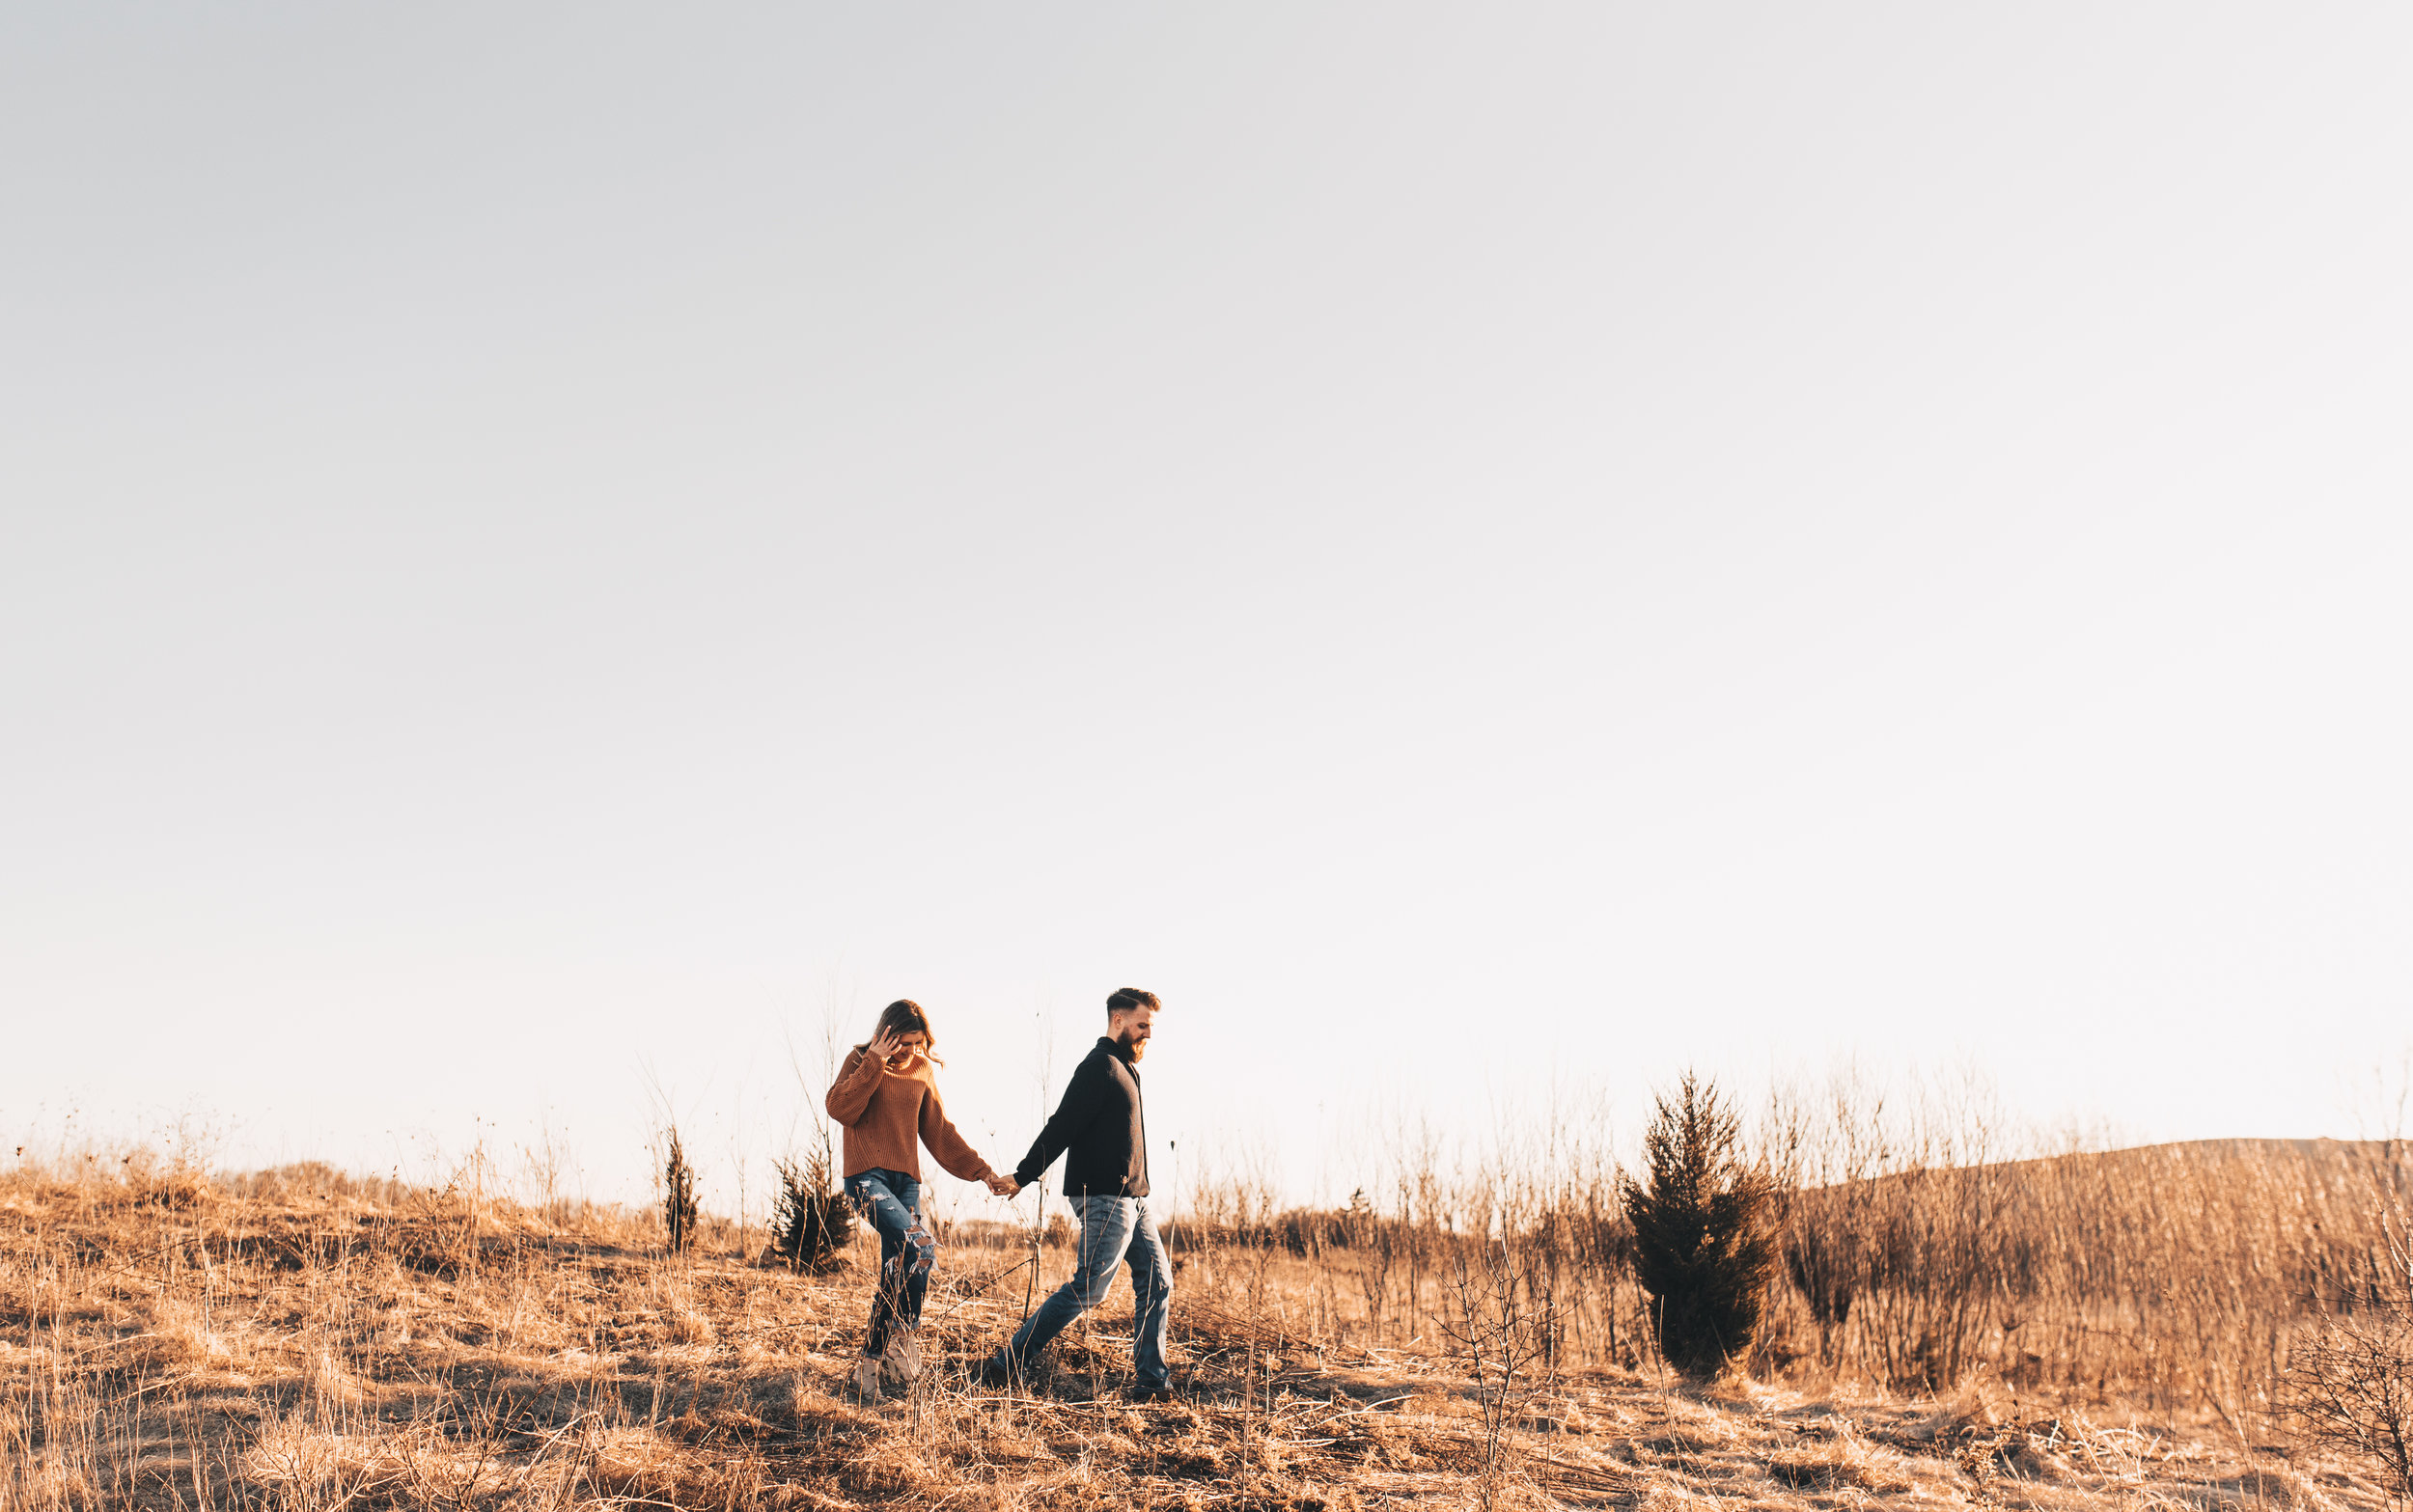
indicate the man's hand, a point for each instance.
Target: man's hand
{"x":884,"y":1044}
{"x":1003,"y":1186}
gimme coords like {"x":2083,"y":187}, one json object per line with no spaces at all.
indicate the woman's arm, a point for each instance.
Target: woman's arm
{"x":851,"y":1093}
{"x":948,"y":1148}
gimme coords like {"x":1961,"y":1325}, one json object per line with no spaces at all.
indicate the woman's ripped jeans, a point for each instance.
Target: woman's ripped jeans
{"x":893,"y":1202}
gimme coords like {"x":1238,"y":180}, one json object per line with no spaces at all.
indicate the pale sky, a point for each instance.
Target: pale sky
{"x":1470,"y":549}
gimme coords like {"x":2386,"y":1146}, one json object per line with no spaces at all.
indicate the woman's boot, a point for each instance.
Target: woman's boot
{"x":903,"y":1364}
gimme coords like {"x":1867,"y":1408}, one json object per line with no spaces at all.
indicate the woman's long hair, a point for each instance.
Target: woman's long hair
{"x":905,"y":1016}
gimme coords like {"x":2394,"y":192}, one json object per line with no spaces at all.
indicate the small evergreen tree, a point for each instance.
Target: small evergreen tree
{"x":810,"y":1221}
{"x":679,"y":1204}
{"x":1703,"y":1244}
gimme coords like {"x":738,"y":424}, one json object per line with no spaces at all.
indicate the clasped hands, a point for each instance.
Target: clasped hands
{"x":1003,"y":1186}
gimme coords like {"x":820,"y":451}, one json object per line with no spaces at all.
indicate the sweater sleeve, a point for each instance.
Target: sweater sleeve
{"x":944,"y":1144}
{"x":850,"y":1095}
{"x":1082,"y":1096}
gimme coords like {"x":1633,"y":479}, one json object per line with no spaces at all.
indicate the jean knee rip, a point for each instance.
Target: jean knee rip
{"x":923,"y":1248}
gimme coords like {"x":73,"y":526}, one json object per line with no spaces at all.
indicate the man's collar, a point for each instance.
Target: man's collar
{"x":1116,"y":1048}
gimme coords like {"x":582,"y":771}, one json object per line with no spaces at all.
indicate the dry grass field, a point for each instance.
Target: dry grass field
{"x":300,"y":1339}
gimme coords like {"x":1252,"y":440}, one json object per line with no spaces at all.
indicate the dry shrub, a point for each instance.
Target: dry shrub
{"x":172,"y":1183}
{"x":679,"y":1207}
{"x":314,"y":1465}
{"x":2352,"y":1386}
{"x":1502,"y":1329}
{"x":687,"y":1326}
{"x":1383,"y":1440}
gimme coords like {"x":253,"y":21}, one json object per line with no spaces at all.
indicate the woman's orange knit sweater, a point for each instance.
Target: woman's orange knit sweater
{"x":883,"y":1106}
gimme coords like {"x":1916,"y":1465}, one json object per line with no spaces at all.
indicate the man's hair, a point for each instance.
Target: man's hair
{"x":1126,"y":999}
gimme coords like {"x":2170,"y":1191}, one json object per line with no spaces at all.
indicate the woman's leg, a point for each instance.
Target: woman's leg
{"x":874,"y":1197}
{"x":918,"y":1255}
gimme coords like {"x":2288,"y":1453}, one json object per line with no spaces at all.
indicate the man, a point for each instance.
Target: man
{"x":1105,"y":1179}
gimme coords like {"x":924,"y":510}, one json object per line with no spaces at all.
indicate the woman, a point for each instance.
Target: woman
{"x":886,"y":1096}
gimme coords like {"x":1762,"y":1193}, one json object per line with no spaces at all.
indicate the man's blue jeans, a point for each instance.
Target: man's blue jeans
{"x":893,"y":1202}
{"x":1113,"y":1230}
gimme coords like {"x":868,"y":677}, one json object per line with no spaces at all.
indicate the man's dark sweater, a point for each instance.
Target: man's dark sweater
{"x":1100,"y":1121}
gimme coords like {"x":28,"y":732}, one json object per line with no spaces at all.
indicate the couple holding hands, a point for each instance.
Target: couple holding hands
{"x":886,"y":1097}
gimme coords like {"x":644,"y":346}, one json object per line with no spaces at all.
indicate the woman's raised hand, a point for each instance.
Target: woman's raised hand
{"x":884,"y":1044}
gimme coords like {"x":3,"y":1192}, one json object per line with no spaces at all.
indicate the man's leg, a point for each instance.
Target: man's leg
{"x":1105,"y":1230}
{"x":1151,"y":1299}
